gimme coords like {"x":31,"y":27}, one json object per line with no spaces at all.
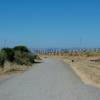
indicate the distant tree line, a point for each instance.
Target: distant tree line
{"x":69,"y":52}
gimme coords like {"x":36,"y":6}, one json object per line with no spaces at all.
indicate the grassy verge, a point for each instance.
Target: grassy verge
{"x":88,"y":71}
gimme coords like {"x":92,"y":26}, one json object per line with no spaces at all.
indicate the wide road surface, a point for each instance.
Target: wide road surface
{"x":51,"y":80}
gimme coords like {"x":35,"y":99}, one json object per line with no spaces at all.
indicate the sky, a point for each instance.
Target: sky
{"x":50,"y":23}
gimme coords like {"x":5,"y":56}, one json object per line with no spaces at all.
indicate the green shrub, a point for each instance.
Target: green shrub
{"x":19,"y":54}
{"x":9,"y":54}
{"x":23,"y":55}
{"x":22,"y":58}
{"x":21,"y":49}
{"x":31,"y":58}
{"x":2,"y":59}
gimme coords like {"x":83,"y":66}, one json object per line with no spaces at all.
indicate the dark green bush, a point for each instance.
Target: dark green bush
{"x":23,"y":55}
{"x":2,"y":59}
{"x":22,"y":58}
{"x":19,"y":54}
{"x":31,"y":58}
{"x":9,"y":54}
{"x":21,"y":49}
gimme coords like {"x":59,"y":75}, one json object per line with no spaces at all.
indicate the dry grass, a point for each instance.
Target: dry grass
{"x":13,"y":68}
{"x":88,"y":71}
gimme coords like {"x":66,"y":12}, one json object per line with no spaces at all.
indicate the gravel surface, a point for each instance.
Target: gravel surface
{"x":51,"y":80}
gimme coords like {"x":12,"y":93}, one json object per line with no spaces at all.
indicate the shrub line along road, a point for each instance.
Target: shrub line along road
{"x":51,"y":80}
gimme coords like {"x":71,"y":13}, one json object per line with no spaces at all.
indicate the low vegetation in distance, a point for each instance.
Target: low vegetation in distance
{"x":86,"y":65}
{"x":17,"y":58}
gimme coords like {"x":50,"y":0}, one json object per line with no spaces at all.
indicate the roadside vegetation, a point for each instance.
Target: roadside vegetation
{"x":17,"y":58}
{"x":86,"y":65}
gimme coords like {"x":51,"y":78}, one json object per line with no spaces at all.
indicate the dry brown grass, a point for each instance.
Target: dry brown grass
{"x":88,"y":71}
{"x":13,"y":68}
